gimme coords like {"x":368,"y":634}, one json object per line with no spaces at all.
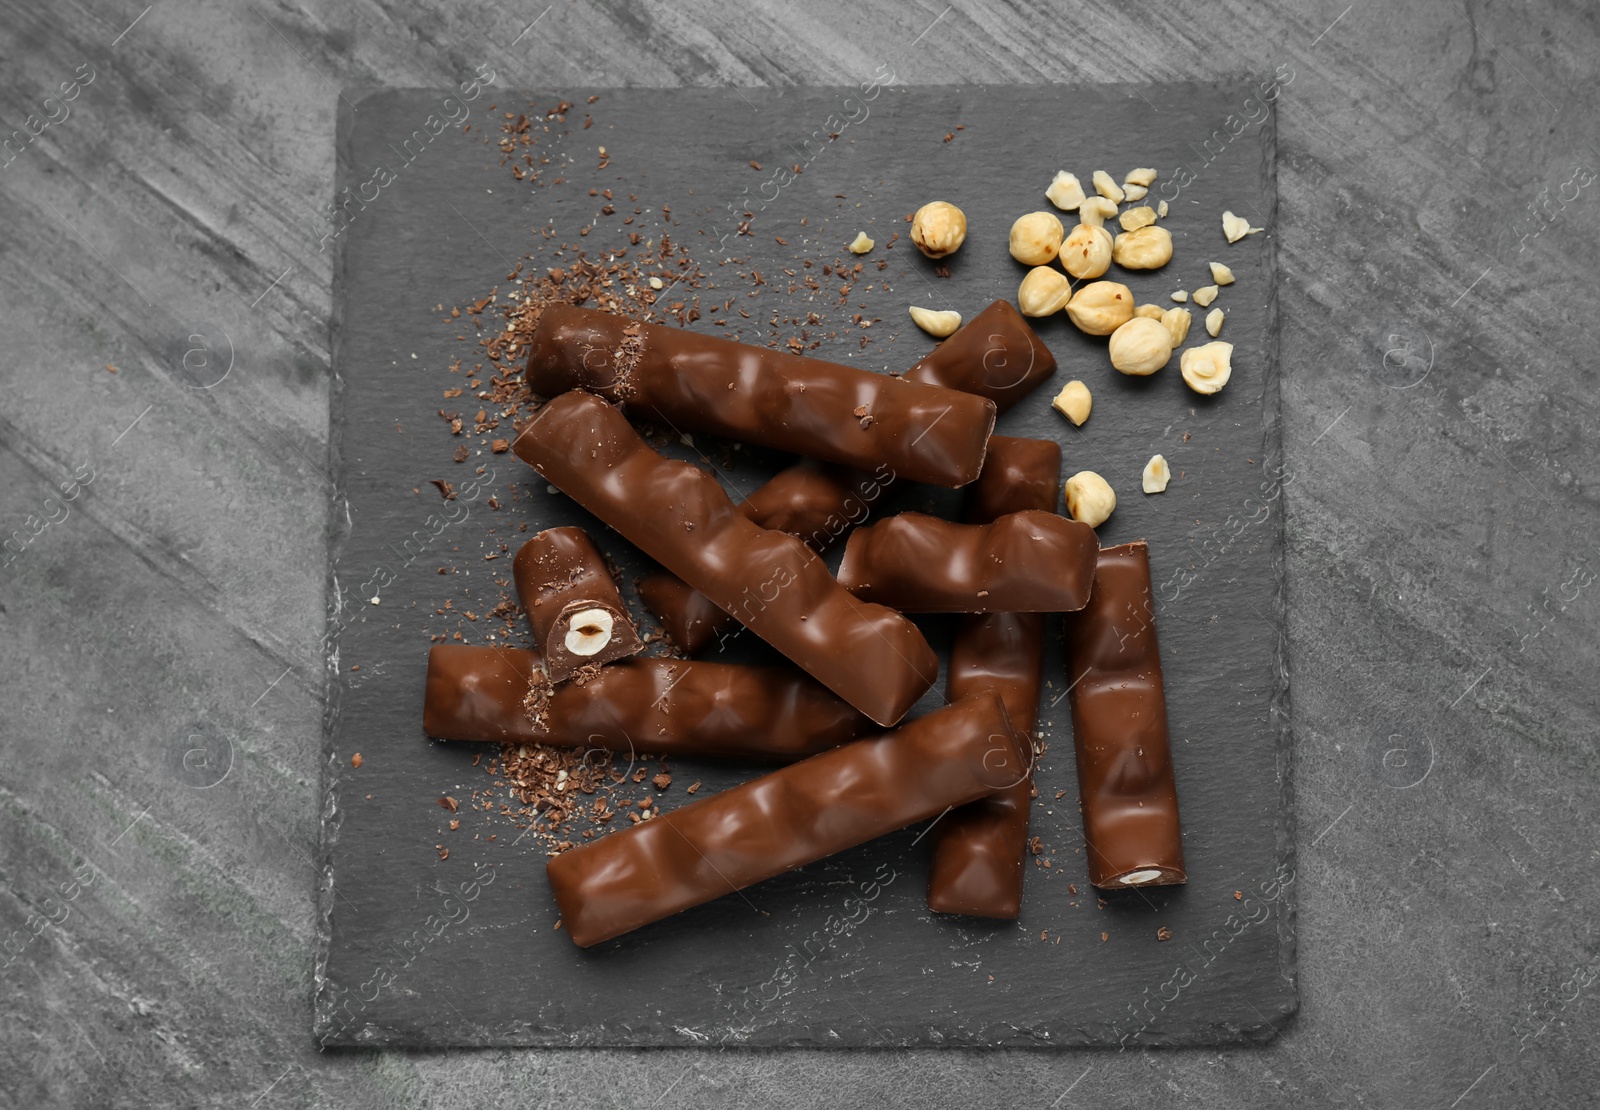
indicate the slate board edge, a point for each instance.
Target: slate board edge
{"x":338,"y":532}
{"x":1280,"y":706}
{"x":371,"y":1034}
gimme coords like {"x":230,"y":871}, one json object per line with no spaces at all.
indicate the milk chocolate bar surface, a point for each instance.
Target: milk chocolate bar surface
{"x":979,"y":849}
{"x":995,"y":355}
{"x":1119,"y":726}
{"x":793,"y":816}
{"x":1027,"y":562}
{"x":823,"y":410}
{"x":646,"y":706}
{"x":871,"y":656}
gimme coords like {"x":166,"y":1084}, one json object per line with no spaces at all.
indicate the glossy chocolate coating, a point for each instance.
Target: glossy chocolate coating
{"x":646,"y":706}
{"x":679,"y":515}
{"x":994,"y":355}
{"x":1018,"y":475}
{"x":789,"y":818}
{"x":703,"y":383}
{"x":980,"y":849}
{"x":814,"y":502}
{"x":561,"y":576}
{"x":1027,"y":562}
{"x":1119,"y":726}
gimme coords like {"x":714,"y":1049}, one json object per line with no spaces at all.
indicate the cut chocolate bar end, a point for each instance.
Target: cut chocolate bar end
{"x":573,"y":604}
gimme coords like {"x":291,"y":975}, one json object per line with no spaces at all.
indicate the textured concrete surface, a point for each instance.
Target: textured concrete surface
{"x":162,"y":678}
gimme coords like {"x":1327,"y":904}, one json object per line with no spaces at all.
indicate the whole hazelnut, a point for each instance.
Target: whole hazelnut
{"x":1043,"y":292}
{"x":939,"y":228}
{"x":1035,"y":238}
{"x":1146,"y":248}
{"x":1141,"y":346}
{"x":1087,"y":251}
{"x":1090,"y":498}
{"x":1101,"y":307}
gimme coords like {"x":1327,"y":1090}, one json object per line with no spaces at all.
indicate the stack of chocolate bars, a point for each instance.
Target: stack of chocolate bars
{"x":854,"y":768}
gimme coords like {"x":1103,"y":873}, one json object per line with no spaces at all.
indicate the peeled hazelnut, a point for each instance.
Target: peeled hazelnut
{"x":1101,"y":307}
{"x":1149,"y":248}
{"x":588,"y":632}
{"x":1236,"y":227}
{"x":1180,"y":295}
{"x":1141,"y":346}
{"x":1177,"y":321}
{"x":1205,"y":295}
{"x":1087,"y":251}
{"x":1095,"y":211}
{"x":1043,"y":292}
{"x":861,"y":244}
{"x":1133,"y":192}
{"x":1135,"y":218}
{"x":1036,"y":238}
{"x":935,"y":323}
{"x":1065,"y":192}
{"x":939,"y":228}
{"x":1074,"y":402}
{"x":1156,"y":475}
{"x":1090,"y":498}
{"x":1221,"y":274}
{"x":1153,"y":311}
{"x":1214,"y":322}
{"x":1207,"y":368}
{"x":1106,"y":186}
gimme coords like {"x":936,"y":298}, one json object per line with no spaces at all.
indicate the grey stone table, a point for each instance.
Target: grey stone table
{"x":162,"y":594}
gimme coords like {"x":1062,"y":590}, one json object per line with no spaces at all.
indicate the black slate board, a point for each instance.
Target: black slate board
{"x":423,"y":951}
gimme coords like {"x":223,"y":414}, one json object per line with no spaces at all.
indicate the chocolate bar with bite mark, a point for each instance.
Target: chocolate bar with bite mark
{"x":575,"y":608}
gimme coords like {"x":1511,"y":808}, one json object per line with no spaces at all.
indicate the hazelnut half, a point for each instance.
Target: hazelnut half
{"x":588,"y":632}
{"x":935,"y":323}
{"x":1206,"y":368}
{"x":1177,"y":321}
{"x":1036,"y":238}
{"x":1090,"y":498}
{"x":939,"y":228}
{"x":1074,"y":402}
{"x":1101,"y":307}
{"x":1065,"y":192}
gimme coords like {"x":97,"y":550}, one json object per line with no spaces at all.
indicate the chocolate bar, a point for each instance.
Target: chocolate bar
{"x":645,"y":706}
{"x":979,"y":849}
{"x":573,"y":604}
{"x":871,"y":656}
{"x":1018,"y":475}
{"x":1027,"y":562}
{"x":702,"y":383}
{"x":815,"y":503}
{"x":1119,"y":726}
{"x":994,"y":355}
{"x":789,"y":818}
